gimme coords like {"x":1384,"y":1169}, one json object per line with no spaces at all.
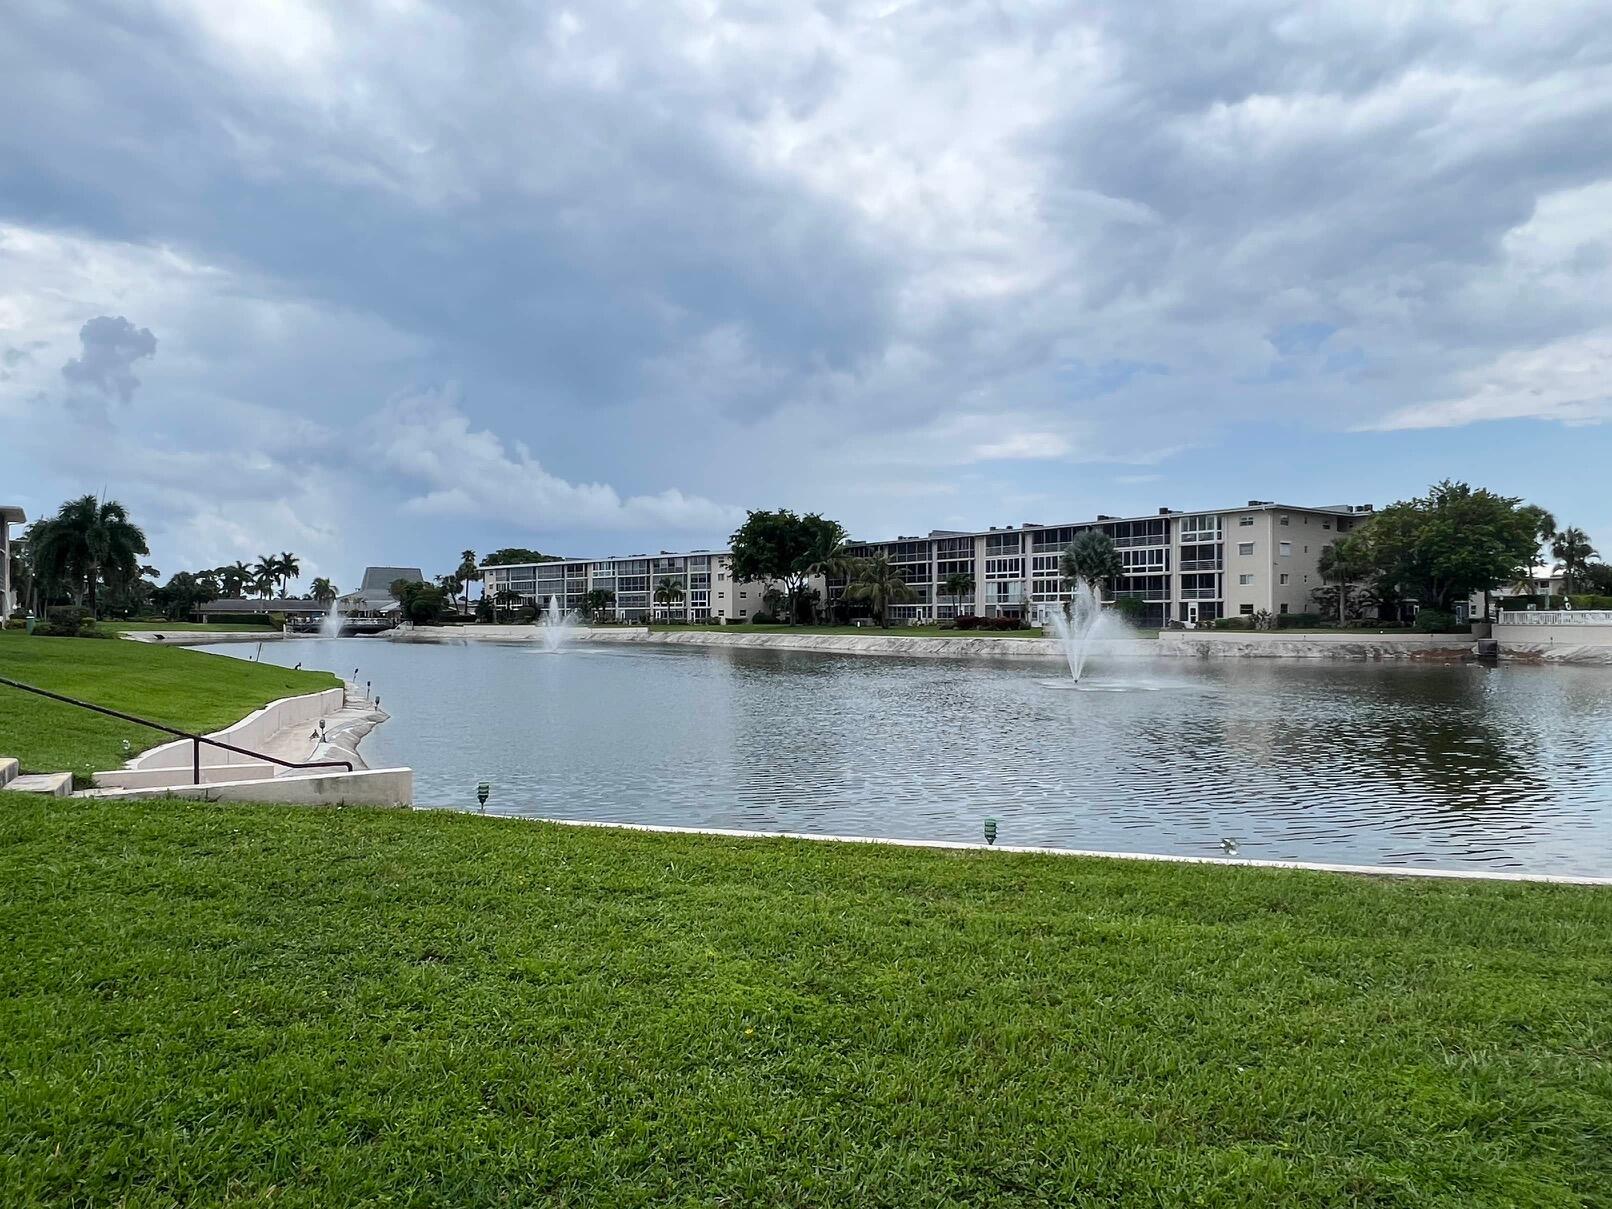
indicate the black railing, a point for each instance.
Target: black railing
{"x":195,"y":740}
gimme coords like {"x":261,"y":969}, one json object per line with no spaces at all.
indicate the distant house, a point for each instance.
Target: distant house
{"x":374,"y":597}
{"x":9,"y":515}
{"x":247,"y":610}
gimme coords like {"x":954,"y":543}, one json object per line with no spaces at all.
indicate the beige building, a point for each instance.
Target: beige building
{"x":704,"y":577}
{"x":1183,"y":566}
{"x":9,"y":515}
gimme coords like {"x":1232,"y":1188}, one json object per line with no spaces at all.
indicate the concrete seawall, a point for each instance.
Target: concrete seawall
{"x":1196,"y":644}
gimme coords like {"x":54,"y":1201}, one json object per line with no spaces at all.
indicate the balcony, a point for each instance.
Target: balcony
{"x":1203,"y":564}
{"x":1145,"y":539}
{"x":1200,"y":593}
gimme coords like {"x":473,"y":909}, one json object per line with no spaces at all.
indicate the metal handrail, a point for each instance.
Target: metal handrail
{"x":195,"y":740}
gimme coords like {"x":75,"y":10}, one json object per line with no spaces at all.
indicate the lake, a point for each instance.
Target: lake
{"x":1447,"y":765}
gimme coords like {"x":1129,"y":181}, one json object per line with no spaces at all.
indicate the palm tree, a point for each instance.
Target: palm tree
{"x":828,"y":557}
{"x":958,"y":585}
{"x":1091,"y":558}
{"x":507,"y":597}
{"x":88,"y":543}
{"x":323,"y":590}
{"x":265,"y":574}
{"x":598,"y":601}
{"x":1572,"y":549}
{"x":1341,"y":564}
{"x":881,"y":585}
{"x":287,"y":568}
{"x":468,"y":573}
{"x":234,"y":578}
{"x":668,"y":592}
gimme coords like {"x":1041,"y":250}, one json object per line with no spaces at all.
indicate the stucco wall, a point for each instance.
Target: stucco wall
{"x":373,"y":787}
{"x":252,"y":731}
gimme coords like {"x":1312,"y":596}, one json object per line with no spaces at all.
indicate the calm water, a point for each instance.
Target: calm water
{"x":1508,"y":768}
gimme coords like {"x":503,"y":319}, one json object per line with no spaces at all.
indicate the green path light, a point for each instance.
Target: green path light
{"x":483,"y":791}
{"x":990,"y":831}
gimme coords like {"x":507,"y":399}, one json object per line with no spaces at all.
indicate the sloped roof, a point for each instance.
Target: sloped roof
{"x":380,"y":579}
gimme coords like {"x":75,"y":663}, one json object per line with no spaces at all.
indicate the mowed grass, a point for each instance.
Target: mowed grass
{"x":191,"y":690}
{"x":293,"y":1007}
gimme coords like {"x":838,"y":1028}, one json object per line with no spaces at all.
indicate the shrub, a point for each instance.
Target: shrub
{"x":67,"y":621}
{"x":762,"y":618}
{"x":1433,"y":621}
{"x":1234,"y":623}
{"x":967,"y":621}
{"x":1302,"y":621}
{"x":1130,"y":608}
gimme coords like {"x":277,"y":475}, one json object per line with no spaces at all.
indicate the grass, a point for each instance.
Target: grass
{"x":188,"y":689}
{"x":293,"y":1007}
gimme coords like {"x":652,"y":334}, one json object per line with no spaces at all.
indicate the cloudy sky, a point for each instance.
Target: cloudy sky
{"x":377,"y":280}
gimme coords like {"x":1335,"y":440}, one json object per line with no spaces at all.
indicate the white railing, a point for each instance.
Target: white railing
{"x":1555,"y":617}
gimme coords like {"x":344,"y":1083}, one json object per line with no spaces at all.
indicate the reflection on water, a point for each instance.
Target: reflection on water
{"x":1505,"y":767}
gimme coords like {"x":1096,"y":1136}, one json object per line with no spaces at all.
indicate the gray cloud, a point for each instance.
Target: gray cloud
{"x":110,"y":347}
{"x":780,"y":252}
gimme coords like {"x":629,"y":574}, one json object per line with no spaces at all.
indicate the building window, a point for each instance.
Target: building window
{"x":1284,"y":580}
{"x":1286,"y":519}
{"x":1245,"y":547}
{"x":1245,"y":520}
{"x":1245,"y":609}
{"x":1285,"y":549}
{"x":1282,"y":608}
{"x":1245,"y":580}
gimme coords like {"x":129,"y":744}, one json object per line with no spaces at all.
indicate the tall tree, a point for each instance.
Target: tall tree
{"x":1442,"y":547}
{"x":323,"y":590}
{"x":668,"y":592}
{"x":287,"y":568}
{"x":1091,"y":558}
{"x":265,"y":574}
{"x":598,"y":602}
{"x":88,"y":545}
{"x":468,"y":572}
{"x":780,"y":547}
{"x":235,"y":578}
{"x":881,"y":584}
{"x":1340,"y":565}
{"x":1572,"y":549}
{"x":958,"y":585}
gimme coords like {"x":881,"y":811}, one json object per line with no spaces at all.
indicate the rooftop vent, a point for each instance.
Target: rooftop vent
{"x":1164,"y":512}
{"x":1103,"y":516}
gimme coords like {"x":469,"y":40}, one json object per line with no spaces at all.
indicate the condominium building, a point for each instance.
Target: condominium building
{"x":703,"y":577}
{"x":1184,"y":566}
{"x":9,"y":515}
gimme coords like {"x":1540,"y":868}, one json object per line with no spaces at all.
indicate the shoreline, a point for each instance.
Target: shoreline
{"x":1171,"y":645}
{"x":1412,"y":871}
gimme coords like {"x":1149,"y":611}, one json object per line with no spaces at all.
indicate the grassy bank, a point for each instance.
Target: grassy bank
{"x":299,"y":1008}
{"x":187,"y":689}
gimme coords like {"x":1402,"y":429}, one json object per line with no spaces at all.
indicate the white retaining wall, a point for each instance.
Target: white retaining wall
{"x":372,"y":787}
{"x":253,"y":731}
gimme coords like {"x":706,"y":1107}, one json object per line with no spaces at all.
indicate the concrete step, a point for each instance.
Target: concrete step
{"x":51,"y":784}
{"x":8,"y":770}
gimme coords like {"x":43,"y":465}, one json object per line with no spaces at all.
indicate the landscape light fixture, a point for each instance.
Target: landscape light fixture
{"x":990,"y":831}
{"x":483,"y":790}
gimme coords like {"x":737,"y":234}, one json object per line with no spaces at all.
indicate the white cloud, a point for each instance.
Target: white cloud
{"x":458,"y":470}
{"x":1568,"y":380}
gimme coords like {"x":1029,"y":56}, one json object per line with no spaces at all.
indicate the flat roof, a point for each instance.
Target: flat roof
{"x":943,"y":534}
{"x":10,"y":514}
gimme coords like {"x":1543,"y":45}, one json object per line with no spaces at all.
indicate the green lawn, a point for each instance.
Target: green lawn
{"x":188,"y":689}
{"x":280,"y":1006}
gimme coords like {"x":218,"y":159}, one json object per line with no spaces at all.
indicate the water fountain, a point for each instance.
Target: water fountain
{"x":330,"y":627}
{"x":1083,"y":623}
{"x":555,"y":625}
